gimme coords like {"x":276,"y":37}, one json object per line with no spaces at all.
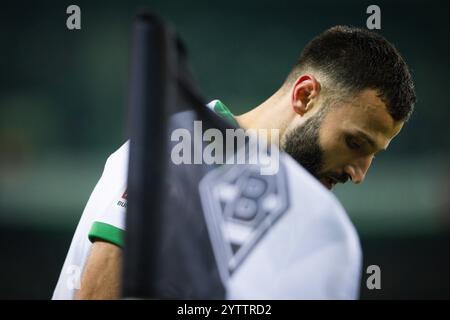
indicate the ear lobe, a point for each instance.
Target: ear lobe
{"x":305,"y":89}
{"x":299,"y":107}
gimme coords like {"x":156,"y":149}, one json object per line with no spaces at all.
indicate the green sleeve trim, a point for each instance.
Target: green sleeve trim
{"x":106,"y":232}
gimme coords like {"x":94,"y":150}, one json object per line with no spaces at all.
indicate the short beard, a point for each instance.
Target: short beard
{"x":302,"y":143}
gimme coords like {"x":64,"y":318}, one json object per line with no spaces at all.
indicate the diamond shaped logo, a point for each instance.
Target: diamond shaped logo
{"x":240,"y":207}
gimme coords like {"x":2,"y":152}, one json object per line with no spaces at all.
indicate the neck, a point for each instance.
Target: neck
{"x":274,"y":113}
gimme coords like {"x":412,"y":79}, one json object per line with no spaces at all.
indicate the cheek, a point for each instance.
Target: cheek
{"x":328,"y":135}
{"x":333,"y":148}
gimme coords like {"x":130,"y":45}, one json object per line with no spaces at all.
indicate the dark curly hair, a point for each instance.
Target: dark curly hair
{"x":356,"y":59}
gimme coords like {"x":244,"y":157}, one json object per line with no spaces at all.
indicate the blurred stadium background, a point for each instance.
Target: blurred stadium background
{"x":63,"y":111}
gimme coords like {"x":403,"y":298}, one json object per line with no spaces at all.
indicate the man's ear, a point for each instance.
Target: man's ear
{"x":305,"y":89}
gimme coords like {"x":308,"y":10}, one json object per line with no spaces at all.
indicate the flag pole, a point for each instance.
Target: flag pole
{"x":151,"y":93}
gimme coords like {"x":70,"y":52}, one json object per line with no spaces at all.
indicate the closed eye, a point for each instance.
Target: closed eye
{"x":352,"y":144}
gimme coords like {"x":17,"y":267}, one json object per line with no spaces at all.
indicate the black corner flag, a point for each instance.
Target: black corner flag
{"x":166,"y":230}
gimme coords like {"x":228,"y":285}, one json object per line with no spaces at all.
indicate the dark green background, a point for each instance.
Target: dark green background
{"x":63,"y":111}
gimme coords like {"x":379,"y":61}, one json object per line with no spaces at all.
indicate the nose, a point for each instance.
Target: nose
{"x":357,"y":170}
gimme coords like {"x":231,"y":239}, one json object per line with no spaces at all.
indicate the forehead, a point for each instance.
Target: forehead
{"x":367,"y":113}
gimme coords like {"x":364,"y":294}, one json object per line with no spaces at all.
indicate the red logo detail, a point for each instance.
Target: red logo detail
{"x":125,"y":195}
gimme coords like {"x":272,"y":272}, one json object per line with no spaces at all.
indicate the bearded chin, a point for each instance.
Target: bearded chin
{"x":302,"y":144}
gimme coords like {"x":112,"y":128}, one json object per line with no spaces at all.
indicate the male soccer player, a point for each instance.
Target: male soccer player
{"x":346,"y":98}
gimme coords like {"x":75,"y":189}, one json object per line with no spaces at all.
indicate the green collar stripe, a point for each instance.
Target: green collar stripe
{"x":223,"y":111}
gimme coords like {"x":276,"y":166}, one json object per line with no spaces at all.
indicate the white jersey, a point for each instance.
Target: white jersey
{"x":314,"y":244}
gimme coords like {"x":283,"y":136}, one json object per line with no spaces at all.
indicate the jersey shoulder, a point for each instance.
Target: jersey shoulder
{"x":116,"y":165}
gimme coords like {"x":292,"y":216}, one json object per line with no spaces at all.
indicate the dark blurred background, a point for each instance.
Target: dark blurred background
{"x":63,"y":111}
